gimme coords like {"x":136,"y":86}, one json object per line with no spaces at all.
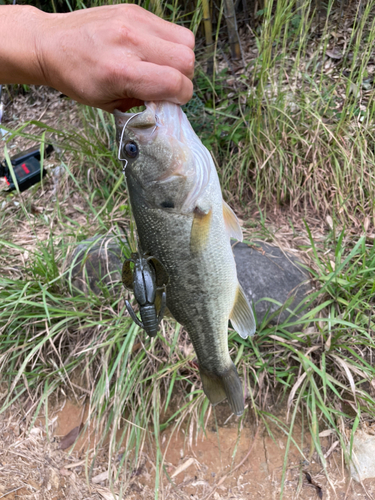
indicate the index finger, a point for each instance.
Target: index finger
{"x":161,"y":28}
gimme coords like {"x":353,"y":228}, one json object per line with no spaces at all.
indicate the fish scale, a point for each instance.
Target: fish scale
{"x":183,"y":221}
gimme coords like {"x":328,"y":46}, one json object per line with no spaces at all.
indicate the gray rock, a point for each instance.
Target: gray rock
{"x":264,"y":271}
{"x":96,"y":263}
{"x":362,"y":465}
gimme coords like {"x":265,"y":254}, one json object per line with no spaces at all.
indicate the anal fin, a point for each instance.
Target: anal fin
{"x":226,"y":385}
{"x":242,"y":316}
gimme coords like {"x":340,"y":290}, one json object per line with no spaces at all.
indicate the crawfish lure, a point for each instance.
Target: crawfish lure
{"x":145,"y":279}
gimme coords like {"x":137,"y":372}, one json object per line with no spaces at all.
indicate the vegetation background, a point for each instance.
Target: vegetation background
{"x":284,"y":100}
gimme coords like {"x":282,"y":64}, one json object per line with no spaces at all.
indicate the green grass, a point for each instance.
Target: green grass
{"x":290,"y":133}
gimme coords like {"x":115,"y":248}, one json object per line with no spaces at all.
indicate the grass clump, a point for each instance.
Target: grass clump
{"x":295,"y":125}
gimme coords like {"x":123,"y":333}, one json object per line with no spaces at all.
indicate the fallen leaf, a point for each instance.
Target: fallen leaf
{"x":278,"y":339}
{"x":354,"y":89}
{"x":36,"y":210}
{"x":183,"y":467}
{"x":70,"y":438}
{"x":100,"y":477}
{"x":329,"y":221}
{"x":334,"y":54}
{"x":106,"y":493}
{"x":136,"y":347}
{"x":326,"y":433}
{"x":65,"y":472}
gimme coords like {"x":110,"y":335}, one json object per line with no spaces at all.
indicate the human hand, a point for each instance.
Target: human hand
{"x":115,"y":57}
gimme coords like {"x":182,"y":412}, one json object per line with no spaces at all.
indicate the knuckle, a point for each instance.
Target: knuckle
{"x":127,"y":35}
{"x":189,"y":60}
{"x":189,"y":38}
{"x":174,"y":82}
{"x":131,"y":7}
{"x":134,"y":12}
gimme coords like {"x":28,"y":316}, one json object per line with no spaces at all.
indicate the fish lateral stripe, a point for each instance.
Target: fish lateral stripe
{"x":242,"y":316}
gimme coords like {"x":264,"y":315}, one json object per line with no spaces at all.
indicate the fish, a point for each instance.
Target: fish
{"x":183,"y":221}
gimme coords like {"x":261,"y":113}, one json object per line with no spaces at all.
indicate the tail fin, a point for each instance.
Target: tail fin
{"x":228,"y":385}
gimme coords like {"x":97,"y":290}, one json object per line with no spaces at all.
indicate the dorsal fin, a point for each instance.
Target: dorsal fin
{"x":242,"y":316}
{"x":231,"y":223}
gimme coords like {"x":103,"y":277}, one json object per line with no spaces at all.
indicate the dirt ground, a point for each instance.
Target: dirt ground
{"x":226,"y":463}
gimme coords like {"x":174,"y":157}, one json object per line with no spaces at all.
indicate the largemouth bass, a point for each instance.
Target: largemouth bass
{"x":183,"y":221}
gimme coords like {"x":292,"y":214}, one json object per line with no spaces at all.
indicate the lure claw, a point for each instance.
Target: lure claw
{"x":147,"y":277}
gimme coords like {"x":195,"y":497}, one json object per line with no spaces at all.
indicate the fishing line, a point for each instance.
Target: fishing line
{"x":122,"y":137}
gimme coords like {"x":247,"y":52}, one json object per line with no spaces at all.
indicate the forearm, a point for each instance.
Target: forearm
{"x":19,"y":58}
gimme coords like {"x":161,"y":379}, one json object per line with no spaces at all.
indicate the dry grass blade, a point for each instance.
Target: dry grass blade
{"x":294,"y":389}
{"x":183,"y":466}
{"x":344,"y":365}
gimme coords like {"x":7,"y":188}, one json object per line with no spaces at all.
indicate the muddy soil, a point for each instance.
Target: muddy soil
{"x":228,"y":461}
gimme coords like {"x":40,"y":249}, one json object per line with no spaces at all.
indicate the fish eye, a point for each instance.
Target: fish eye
{"x":130,"y":149}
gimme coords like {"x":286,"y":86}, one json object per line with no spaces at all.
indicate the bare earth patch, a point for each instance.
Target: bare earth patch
{"x":228,"y":462}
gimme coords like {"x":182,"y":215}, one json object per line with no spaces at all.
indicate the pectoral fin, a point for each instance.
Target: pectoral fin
{"x":242,"y":316}
{"x":200,"y":231}
{"x":231,"y":223}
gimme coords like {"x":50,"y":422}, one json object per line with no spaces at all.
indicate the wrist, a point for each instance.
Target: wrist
{"x":20,"y":56}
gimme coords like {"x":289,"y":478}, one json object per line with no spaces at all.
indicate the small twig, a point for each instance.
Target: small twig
{"x":12,"y":491}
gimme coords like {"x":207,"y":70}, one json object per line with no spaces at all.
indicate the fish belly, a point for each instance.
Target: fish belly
{"x":200,"y":294}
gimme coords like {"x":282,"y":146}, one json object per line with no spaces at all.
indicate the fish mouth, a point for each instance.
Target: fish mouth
{"x":160,"y":115}
{"x":169,"y":120}
{"x":126,"y":119}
